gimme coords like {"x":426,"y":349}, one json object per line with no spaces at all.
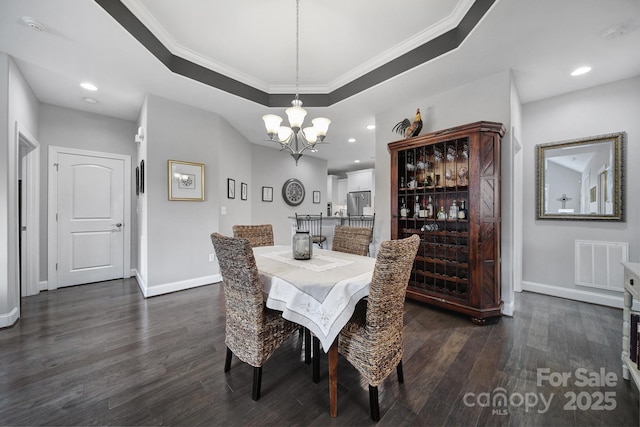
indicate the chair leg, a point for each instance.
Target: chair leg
{"x":257,"y":380}
{"x":373,"y":403}
{"x":227,"y":360}
{"x":307,"y":346}
{"x":400,"y":374}
{"x":316,"y":360}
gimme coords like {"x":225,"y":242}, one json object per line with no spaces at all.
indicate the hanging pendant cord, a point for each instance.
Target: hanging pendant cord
{"x":297,"y":47}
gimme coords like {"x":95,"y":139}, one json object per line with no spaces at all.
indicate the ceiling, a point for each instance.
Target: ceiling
{"x":358,"y":58}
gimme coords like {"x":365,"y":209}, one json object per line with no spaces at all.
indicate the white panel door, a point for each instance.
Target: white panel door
{"x":90,"y":197}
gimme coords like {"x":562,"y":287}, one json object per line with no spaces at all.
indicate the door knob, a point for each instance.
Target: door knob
{"x":117,"y":225}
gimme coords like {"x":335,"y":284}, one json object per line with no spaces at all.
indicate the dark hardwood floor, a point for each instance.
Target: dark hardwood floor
{"x":101,"y":354}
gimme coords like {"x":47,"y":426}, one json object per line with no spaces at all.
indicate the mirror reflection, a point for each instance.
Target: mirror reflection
{"x":581,"y":179}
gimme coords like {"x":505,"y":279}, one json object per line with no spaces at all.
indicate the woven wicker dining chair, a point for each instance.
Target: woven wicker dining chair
{"x":351,"y":240}
{"x":372,"y":339}
{"x":253,"y":331}
{"x":257,"y":235}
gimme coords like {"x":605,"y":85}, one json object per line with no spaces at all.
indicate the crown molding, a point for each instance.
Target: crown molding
{"x":433,"y":42}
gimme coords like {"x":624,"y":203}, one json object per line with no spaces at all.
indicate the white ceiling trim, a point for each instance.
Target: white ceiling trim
{"x":430,"y":33}
{"x":147,"y":19}
{"x":441,"y":27}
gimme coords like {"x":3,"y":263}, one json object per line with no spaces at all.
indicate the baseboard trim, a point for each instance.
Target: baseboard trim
{"x":9,"y":319}
{"x":141,"y":283}
{"x":507,"y":309}
{"x":614,"y":301}
{"x":44,"y":285}
{"x":166,"y":288}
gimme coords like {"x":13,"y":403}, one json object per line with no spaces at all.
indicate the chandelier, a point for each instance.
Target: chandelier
{"x":294,"y":138}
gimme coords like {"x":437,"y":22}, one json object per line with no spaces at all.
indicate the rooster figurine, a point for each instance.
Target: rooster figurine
{"x":409,"y":129}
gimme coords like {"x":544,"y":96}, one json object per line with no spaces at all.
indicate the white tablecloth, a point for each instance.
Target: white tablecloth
{"x":320,"y":293}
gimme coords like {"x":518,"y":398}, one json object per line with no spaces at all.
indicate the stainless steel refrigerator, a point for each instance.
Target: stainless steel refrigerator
{"x":357,"y":201}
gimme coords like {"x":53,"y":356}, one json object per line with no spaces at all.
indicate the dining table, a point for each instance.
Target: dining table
{"x":320,"y":294}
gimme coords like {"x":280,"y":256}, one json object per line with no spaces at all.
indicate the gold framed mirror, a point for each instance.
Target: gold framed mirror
{"x":581,"y":179}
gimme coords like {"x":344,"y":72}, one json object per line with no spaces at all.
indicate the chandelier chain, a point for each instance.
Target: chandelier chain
{"x":297,"y":47}
{"x":294,"y":138}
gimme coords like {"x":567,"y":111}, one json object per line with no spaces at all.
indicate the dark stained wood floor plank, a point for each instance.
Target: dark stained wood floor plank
{"x":101,"y":354}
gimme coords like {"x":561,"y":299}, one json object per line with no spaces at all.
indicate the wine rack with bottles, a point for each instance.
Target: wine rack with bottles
{"x":445,"y":187}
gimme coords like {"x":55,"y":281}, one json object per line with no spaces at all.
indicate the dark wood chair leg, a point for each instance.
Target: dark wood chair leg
{"x":373,"y":403}
{"x":316,"y":360}
{"x":257,"y":380}
{"x":400,"y":374}
{"x":307,"y":346}
{"x":227,"y":360}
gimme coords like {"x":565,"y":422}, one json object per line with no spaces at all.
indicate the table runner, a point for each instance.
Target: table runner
{"x":320,"y":293}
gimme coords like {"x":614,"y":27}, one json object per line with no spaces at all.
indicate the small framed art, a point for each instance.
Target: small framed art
{"x":316,"y":197}
{"x":186,"y":181}
{"x":243,"y":191}
{"x":267,"y":194}
{"x":231,"y":188}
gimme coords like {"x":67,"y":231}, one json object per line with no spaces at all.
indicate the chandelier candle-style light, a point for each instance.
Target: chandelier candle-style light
{"x":295,"y":138}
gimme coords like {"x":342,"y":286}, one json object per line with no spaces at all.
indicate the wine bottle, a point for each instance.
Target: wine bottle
{"x":453,"y":210}
{"x":416,"y":207}
{"x":403,"y":209}
{"x":462,"y":213}
{"x":430,"y":208}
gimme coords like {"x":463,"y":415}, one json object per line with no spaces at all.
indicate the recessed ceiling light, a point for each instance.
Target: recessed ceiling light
{"x":88,"y":86}
{"x":371,"y":127}
{"x":614,"y":32}
{"x":351,"y":140}
{"x":580,"y":71}
{"x":356,"y":161}
{"x":33,"y":24}
{"x":90,"y":100}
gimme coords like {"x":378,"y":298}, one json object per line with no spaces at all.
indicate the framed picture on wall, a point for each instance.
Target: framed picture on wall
{"x":243,"y":191}
{"x":141,"y":176}
{"x":231,"y":188}
{"x":316,"y":197}
{"x":267,"y":194}
{"x":186,"y":181}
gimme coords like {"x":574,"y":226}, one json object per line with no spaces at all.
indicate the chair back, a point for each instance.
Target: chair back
{"x":242,"y":289}
{"x":312,"y":224}
{"x":257,"y":235}
{"x":367,"y":221}
{"x":385,"y":305}
{"x":351,"y":240}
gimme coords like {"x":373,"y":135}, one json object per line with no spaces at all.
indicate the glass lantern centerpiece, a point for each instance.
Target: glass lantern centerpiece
{"x":302,"y":245}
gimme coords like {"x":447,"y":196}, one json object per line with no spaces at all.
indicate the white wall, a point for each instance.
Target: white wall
{"x":8,"y":306}
{"x":20,"y":106}
{"x":549,"y":244}
{"x":272,"y":168}
{"x":178,"y":242}
{"x":511,"y":158}
{"x":142,"y":267}
{"x":236,"y":162}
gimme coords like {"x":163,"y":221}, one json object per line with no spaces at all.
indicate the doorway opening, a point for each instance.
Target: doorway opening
{"x":28,"y":210}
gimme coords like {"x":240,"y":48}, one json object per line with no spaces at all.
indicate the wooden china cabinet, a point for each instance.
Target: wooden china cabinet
{"x":445,"y":187}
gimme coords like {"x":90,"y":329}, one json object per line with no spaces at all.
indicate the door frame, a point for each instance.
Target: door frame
{"x":52,"y":281}
{"x":29,"y":172}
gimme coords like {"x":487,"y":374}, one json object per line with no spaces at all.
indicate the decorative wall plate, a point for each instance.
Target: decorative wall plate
{"x":293,"y":192}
